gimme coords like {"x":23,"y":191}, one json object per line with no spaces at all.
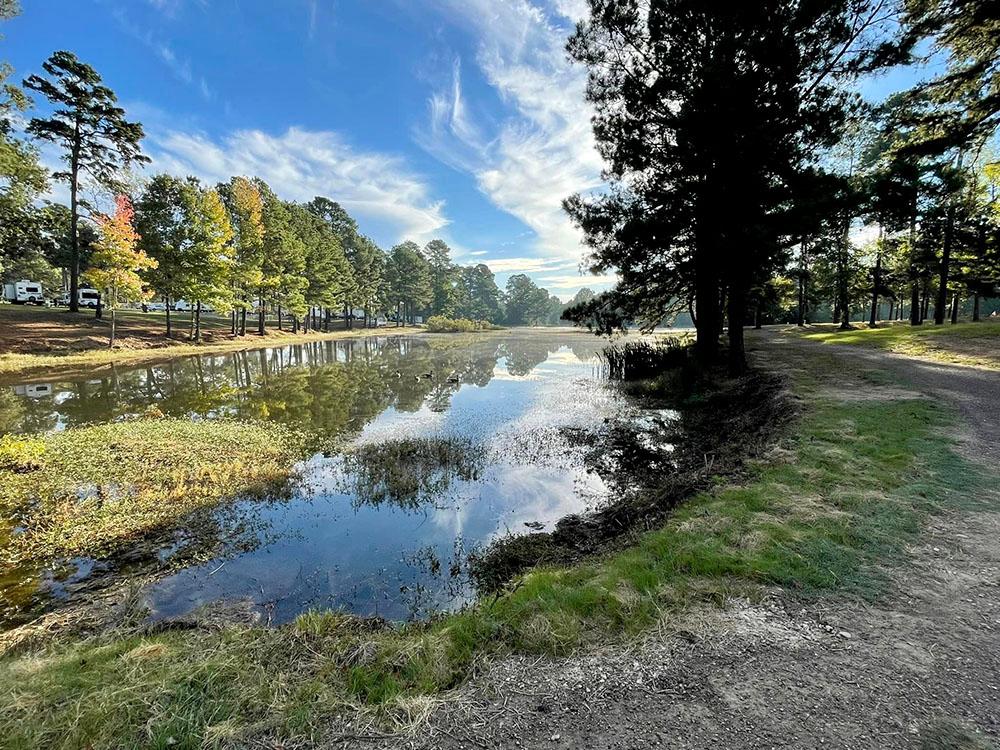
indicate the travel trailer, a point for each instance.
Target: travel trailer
{"x":86,"y":297}
{"x":183,"y":305}
{"x":24,"y":292}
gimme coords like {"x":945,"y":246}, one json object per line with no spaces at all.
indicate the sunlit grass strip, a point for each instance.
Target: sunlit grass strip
{"x":33,"y":364}
{"x":976,"y":344}
{"x":859,"y":479}
{"x":94,"y":489}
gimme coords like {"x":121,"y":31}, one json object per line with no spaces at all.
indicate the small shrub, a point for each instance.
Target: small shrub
{"x":441,"y":324}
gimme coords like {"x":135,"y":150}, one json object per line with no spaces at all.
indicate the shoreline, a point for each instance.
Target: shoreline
{"x":26,"y":367}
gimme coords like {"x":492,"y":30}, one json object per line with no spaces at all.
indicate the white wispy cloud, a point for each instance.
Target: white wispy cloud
{"x":525,"y":265}
{"x":179,"y":66}
{"x":300,"y":164}
{"x":543,"y":151}
{"x":575,"y":281}
{"x":313,"y":9}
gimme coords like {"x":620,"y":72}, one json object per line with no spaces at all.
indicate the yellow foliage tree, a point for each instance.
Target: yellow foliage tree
{"x":116,"y":261}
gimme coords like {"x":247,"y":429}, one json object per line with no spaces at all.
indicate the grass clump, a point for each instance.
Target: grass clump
{"x":645,"y":358}
{"x":859,"y":478}
{"x":410,"y":471}
{"x":103,"y":486}
{"x":442,"y":324}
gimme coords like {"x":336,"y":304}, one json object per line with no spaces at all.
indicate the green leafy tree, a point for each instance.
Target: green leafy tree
{"x":209,"y":252}
{"x":409,"y":278}
{"x":22,"y":178}
{"x":282,"y":281}
{"x":701,"y":108}
{"x":327,"y":272}
{"x":526,"y":303}
{"x":368,"y":270}
{"x":91,"y":129}
{"x":246,"y":217}
{"x":165,"y":236}
{"x":443,"y":278}
{"x":479,"y":295}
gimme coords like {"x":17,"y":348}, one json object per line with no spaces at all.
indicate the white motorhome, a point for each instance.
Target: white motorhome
{"x":85,"y":296}
{"x":183,"y":305}
{"x":24,"y":292}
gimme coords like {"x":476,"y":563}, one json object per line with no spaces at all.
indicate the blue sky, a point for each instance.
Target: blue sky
{"x":459,"y":119}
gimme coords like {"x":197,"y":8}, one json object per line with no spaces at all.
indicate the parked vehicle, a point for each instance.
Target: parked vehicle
{"x":24,"y":292}
{"x":86,"y":297}
{"x":182,"y":305}
{"x":154,"y":306}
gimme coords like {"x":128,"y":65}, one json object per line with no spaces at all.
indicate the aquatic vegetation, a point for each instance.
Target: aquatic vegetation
{"x":645,"y":358}
{"x":103,"y":486}
{"x":410,"y":471}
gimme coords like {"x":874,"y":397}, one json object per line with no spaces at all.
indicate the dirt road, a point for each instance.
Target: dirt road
{"x":920,"y":669}
{"x":974,"y":392}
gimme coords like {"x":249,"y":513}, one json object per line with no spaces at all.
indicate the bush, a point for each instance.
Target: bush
{"x":441,"y":324}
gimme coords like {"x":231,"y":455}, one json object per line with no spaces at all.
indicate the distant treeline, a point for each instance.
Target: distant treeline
{"x":235,"y":247}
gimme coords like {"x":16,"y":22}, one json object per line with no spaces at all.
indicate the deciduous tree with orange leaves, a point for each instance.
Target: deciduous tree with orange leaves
{"x":117,"y":261}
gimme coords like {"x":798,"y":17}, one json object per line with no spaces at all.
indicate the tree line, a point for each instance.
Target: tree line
{"x":235,"y":247}
{"x":740,"y":161}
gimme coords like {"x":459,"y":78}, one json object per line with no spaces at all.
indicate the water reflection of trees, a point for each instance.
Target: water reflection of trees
{"x":327,"y":388}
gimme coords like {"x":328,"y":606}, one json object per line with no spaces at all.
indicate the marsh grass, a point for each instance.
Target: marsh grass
{"x":92,"y":490}
{"x":849,"y":491}
{"x":411,"y":471}
{"x":644,"y":358}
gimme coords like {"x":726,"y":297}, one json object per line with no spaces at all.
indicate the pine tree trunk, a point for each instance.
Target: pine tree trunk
{"x":706,"y":304}
{"x":74,"y":222}
{"x":954,"y":309}
{"x":260,"y":316}
{"x":975,"y":308}
{"x":197,"y":321}
{"x":168,"y":317}
{"x":877,"y":279}
{"x":736,"y":310}
{"x":111,"y":342}
{"x":801,"y":317}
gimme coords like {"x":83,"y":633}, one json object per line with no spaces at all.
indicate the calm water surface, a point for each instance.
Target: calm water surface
{"x":352,"y":534}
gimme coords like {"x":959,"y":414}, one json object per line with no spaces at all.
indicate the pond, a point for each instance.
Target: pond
{"x":421,"y":450}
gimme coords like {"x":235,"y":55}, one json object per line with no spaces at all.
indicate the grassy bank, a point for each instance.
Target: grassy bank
{"x":37,"y":341}
{"x":848,"y":490}
{"x":92,"y":490}
{"x":38,"y":364}
{"x":975,"y":344}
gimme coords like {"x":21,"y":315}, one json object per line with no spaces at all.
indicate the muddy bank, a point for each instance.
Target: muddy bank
{"x":719,"y":425}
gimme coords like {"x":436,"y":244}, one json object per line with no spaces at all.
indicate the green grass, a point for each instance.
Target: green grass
{"x":858,"y":480}
{"x":976,"y":344}
{"x":91,"y":490}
